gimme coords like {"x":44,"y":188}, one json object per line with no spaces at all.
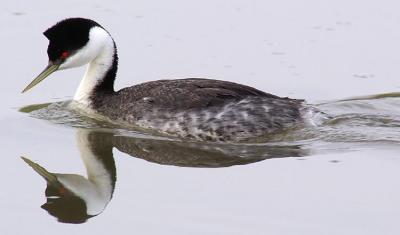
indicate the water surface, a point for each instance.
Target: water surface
{"x":339,"y":177}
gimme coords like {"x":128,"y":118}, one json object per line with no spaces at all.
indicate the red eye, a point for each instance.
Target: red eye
{"x":64,"y":55}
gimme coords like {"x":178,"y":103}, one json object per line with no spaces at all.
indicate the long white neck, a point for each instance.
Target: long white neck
{"x":98,"y":188}
{"x":101,"y":51}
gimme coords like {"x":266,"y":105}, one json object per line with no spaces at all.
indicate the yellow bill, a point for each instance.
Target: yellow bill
{"x":51,"y":68}
{"x":49,"y":177}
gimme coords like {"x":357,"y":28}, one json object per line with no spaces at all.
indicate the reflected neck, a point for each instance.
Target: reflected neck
{"x":96,"y":153}
{"x":100,"y":75}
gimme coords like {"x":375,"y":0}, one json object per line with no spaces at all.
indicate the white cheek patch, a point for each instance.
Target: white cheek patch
{"x":97,"y":40}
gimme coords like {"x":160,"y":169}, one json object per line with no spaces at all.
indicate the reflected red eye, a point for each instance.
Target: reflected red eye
{"x":64,"y":55}
{"x":62,"y":190}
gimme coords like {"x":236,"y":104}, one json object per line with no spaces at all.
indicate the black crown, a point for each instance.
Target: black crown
{"x":68,"y":35}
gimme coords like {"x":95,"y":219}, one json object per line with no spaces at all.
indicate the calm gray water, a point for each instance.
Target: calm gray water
{"x":339,"y":177}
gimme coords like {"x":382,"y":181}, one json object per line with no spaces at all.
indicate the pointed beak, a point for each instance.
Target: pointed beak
{"x":49,"y":177}
{"x":51,"y":68}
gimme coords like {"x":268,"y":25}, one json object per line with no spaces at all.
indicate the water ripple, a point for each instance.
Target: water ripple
{"x":366,"y":121}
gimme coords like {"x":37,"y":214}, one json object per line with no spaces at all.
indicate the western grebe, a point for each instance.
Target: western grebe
{"x":197,"y":108}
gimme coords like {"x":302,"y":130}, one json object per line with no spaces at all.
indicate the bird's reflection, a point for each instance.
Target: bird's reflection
{"x":73,"y":198}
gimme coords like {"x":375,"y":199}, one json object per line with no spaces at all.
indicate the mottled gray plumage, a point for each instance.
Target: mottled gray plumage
{"x":203,"y":109}
{"x":195,"y":108}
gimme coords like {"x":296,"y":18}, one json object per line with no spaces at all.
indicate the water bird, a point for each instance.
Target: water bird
{"x":194,"y":108}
